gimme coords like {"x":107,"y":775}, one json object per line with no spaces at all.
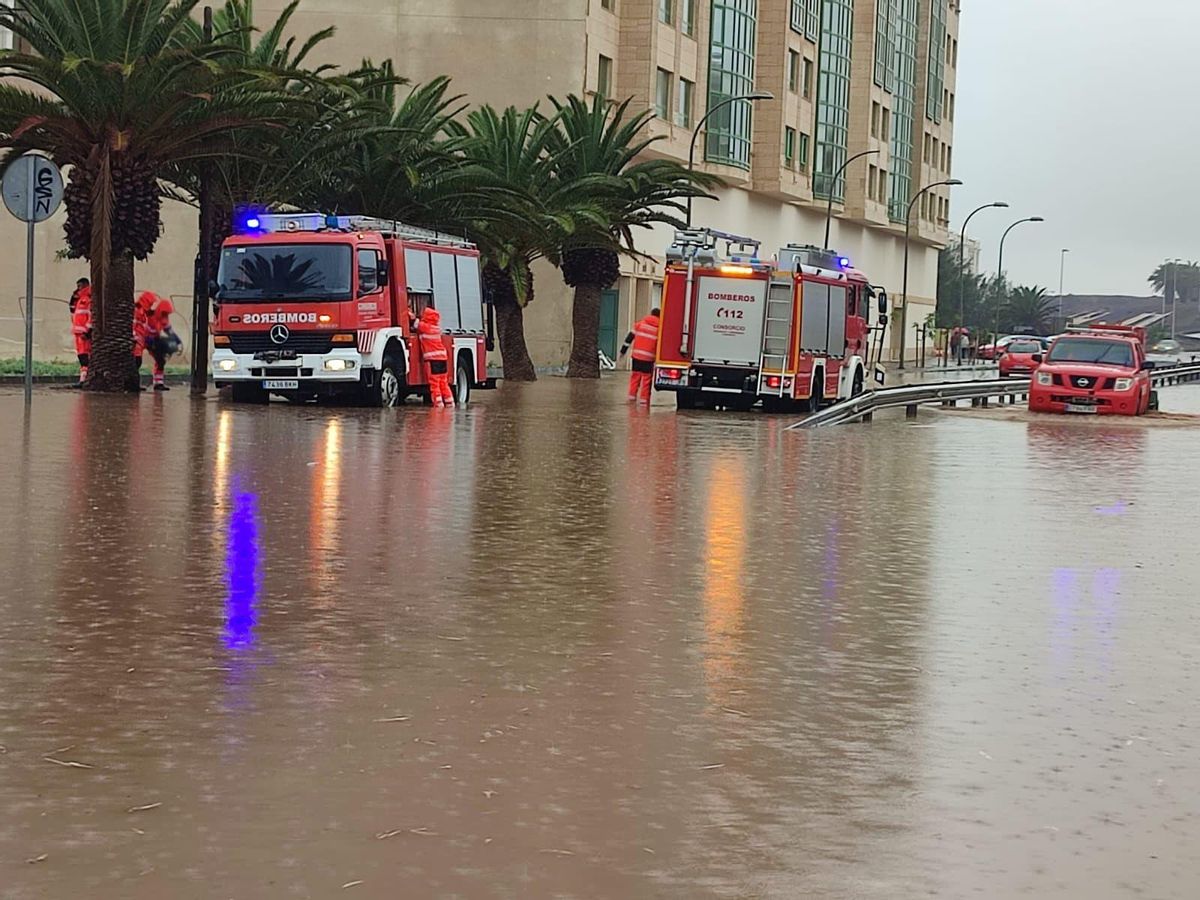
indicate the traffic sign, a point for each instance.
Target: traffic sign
{"x":33,"y":188}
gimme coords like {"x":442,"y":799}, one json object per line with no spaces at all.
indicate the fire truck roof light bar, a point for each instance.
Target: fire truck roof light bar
{"x":708,"y":237}
{"x":314,"y":222}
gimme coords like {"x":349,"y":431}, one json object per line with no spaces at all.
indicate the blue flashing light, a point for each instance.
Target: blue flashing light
{"x":249,"y":220}
{"x":844,"y":262}
{"x":253,"y":223}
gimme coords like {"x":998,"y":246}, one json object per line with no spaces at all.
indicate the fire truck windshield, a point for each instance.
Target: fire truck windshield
{"x":284,"y":272}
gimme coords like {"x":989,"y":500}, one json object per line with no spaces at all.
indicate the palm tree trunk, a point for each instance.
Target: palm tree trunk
{"x":585,"y":327}
{"x":111,"y":368}
{"x":510,"y":330}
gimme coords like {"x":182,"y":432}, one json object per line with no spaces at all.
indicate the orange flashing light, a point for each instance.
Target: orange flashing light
{"x":324,"y":318}
{"x":737,"y":270}
{"x":343,"y":339}
{"x":220,"y":340}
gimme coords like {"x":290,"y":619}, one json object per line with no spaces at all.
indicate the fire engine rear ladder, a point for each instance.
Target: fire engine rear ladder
{"x":777,"y":335}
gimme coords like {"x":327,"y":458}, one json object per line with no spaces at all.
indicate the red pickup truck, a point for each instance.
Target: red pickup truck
{"x":1098,"y":370}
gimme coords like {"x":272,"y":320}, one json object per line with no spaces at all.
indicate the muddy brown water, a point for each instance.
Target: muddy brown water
{"x":550,"y":646}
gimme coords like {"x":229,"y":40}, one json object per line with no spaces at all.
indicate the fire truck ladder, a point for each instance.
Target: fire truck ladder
{"x":777,"y":335}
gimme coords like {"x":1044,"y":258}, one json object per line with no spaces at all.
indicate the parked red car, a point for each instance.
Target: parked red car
{"x":1018,"y":358}
{"x":1099,"y":371}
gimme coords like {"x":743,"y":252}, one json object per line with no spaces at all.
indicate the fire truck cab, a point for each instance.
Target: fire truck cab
{"x":737,"y":329}
{"x":308,"y":305}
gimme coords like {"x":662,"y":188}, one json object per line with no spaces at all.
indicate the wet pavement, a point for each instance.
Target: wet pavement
{"x":549,"y":646}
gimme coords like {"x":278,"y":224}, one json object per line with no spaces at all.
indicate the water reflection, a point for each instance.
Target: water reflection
{"x":243,"y":572}
{"x":324,"y":512}
{"x":725,"y":557}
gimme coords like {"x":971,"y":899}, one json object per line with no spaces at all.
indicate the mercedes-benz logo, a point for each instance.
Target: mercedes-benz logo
{"x":279,"y":334}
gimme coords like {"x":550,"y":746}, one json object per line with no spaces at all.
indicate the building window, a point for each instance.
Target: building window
{"x":950,"y":111}
{"x":937,"y":60}
{"x":6,"y":36}
{"x":903,"y":109}
{"x":683,"y":108}
{"x":687,"y":16}
{"x":666,"y":11}
{"x":793,"y":70}
{"x":789,"y":146}
{"x":808,"y":77}
{"x":604,"y":76}
{"x":833,"y":98}
{"x":874,"y":120}
{"x":885,"y":124}
{"x":885,"y":44}
{"x":662,"y":94}
{"x":872,"y":181}
{"x":949,"y":159}
{"x":804,"y":142}
{"x":883,"y":190}
{"x":731,"y":73}
{"x":806,"y":18}
{"x":608,"y":4}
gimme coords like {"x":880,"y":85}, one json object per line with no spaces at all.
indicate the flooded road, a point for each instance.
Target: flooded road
{"x":549,"y":646}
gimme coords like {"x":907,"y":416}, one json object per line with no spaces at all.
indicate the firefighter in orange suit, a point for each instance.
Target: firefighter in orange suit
{"x":81,"y":327}
{"x":159,"y":337}
{"x":644,"y":339}
{"x":437,"y":361}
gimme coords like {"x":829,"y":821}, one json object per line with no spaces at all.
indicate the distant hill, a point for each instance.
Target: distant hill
{"x":1123,"y":308}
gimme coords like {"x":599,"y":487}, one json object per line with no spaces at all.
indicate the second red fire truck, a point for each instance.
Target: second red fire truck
{"x":792,"y":332}
{"x":310,"y":305}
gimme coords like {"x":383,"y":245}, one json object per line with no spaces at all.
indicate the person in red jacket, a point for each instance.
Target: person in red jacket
{"x":81,"y":328}
{"x":433,"y":352}
{"x":160,"y":339}
{"x":141,"y":310}
{"x":644,"y":339}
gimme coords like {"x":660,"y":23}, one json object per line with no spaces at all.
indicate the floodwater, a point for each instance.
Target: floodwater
{"x":551,"y":646}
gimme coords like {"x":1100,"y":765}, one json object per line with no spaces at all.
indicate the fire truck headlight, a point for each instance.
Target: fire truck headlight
{"x":227,"y":365}
{"x":336,"y":365}
{"x":1123,"y":384}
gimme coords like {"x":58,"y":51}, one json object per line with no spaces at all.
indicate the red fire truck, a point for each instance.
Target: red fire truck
{"x":309,"y":305}
{"x":736,"y":329}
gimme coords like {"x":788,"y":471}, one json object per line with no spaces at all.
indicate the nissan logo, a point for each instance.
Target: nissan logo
{"x":1083,"y":382}
{"x":279,"y":334}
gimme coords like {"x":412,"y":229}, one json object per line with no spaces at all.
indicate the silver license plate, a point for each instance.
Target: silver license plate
{"x":281,"y":384}
{"x":1081,"y":408}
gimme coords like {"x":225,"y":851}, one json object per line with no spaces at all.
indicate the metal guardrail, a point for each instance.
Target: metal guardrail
{"x":949,"y":393}
{"x":864,"y":406}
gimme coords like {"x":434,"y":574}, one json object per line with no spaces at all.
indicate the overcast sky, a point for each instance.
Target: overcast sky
{"x":1086,"y":112}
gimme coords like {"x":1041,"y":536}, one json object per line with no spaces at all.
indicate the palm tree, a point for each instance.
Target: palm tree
{"x":111,"y":89}
{"x":599,"y":152}
{"x":1177,"y":279}
{"x":1028,"y":308}
{"x":535,"y":211}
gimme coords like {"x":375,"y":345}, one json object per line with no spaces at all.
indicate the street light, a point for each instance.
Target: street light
{"x":962,"y":281}
{"x":757,"y":95}
{"x":1000,"y":269}
{"x":833,"y":187}
{"x":1062,"y":268}
{"x":907,"y":236}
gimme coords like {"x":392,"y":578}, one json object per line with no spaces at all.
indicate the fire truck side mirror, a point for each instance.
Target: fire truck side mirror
{"x":883,"y":303}
{"x":214,"y":290}
{"x":382,"y":274}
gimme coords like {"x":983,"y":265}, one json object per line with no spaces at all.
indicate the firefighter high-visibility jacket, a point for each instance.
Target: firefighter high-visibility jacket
{"x":429,"y":334}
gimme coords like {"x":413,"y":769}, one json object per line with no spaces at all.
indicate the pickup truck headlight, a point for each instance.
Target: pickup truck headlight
{"x":1123,"y":384}
{"x":1045,"y":379}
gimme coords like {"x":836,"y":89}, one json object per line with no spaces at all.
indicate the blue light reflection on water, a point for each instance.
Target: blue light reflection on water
{"x":242,"y":572}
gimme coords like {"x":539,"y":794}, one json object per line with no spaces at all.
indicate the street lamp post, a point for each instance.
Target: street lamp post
{"x":833,"y":187}
{"x":962,"y":281}
{"x":1000,"y":270}
{"x":757,"y":95}
{"x":1062,"y":268}
{"x":907,"y":237}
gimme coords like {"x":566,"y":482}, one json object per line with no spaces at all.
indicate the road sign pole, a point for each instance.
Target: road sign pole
{"x":30,"y":164}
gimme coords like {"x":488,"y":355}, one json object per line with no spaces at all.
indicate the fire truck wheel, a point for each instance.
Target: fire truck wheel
{"x":462,"y":382}
{"x":858,"y":384}
{"x":817,"y":398}
{"x":248,"y":393}
{"x":385,"y":392}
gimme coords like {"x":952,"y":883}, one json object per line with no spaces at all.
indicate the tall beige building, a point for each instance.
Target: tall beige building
{"x":847,"y":76}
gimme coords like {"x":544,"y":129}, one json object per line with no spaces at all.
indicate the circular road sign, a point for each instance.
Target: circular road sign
{"x":33,"y":188}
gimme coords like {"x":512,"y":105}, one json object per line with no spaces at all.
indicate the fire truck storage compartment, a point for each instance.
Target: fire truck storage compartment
{"x":453,"y":281}
{"x":729,"y":320}
{"x":823,"y":319}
